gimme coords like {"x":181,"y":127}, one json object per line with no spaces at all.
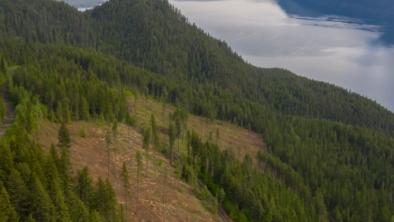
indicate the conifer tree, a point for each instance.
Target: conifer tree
{"x":65,"y":167}
{"x":62,"y":213}
{"x":7,"y":211}
{"x":155,"y":135}
{"x":108,"y":141}
{"x":63,"y":110}
{"x":146,"y":139}
{"x":79,"y":210}
{"x":54,"y":155}
{"x":18,"y":192}
{"x":3,"y":65}
{"x":66,"y":110}
{"x":321,"y":207}
{"x":3,"y":110}
{"x":30,"y":218}
{"x":221,"y":195}
{"x":55,"y":190}
{"x":180,"y":124}
{"x":106,"y":201}
{"x":114,"y":128}
{"x":138,"y":158}
{"x":126,"y":185}
{"x":178,"y":132}
{"x":85,"y":115}
{"x":64,"y":143}
{"x":43,"y":209}
{"x":95,"y":217}
{"x":75,"y":108}
{"x":64,"y":136}
{"x":171,"y":137}
{"x":146,"y":144}
{"x":164,"y":184}
{"x":84,"y":186}
{"x":6,"y":160}
{"x":59,"y":112}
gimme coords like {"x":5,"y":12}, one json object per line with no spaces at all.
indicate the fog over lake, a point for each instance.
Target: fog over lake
{"x":338,"y":51}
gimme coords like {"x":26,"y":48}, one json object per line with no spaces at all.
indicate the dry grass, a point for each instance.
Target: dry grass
{"x":228,"y":136}
{"x":160,"y":197}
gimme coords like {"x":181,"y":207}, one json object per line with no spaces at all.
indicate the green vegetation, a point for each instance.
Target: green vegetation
{"x":38,"y":186}
{"x":126,"y":185}
{"x":156,"y":37}
{"x":247,"y":195}
{"x":329,"y":146}
{"x":329,"y":152}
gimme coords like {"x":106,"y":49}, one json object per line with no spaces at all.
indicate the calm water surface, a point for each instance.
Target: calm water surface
{"x":337,"y":50}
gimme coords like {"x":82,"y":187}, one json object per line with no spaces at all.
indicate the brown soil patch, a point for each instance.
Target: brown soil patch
{"x":160,"y":197}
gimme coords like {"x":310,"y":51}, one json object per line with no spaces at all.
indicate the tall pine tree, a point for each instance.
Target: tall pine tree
{"x":126,"y":185}
{"x":7,"y":211}
{"x":64,"y":136}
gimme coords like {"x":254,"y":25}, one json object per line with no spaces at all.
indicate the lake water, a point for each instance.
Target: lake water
{"x":334,"y":50}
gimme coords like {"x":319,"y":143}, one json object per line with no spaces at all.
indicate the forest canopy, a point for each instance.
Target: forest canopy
{"x":329,"y":153}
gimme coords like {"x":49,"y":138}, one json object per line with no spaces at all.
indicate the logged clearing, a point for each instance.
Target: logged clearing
{"x":161,"y":195}
{"x":228,"y":136}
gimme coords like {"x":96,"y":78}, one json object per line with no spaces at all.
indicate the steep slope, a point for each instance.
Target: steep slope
{"x":157,"y":195}
{"x":311,"y":167}
{"x":163,"y":198}
{"x":153,"y":35}
{"x":314,"y":169}
{"x":37,"y":185}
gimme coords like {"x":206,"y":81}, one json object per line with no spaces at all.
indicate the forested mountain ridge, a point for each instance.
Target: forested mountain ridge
{"x":45,"y":21}
{"x":153,"y":35}
{"x":162,"y":41}
{"x":312,"y":167}
{"x":75,"y":84}
{"x":324,"y":161}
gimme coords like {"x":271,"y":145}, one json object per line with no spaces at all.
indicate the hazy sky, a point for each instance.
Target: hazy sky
{"x":336,"y":52}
